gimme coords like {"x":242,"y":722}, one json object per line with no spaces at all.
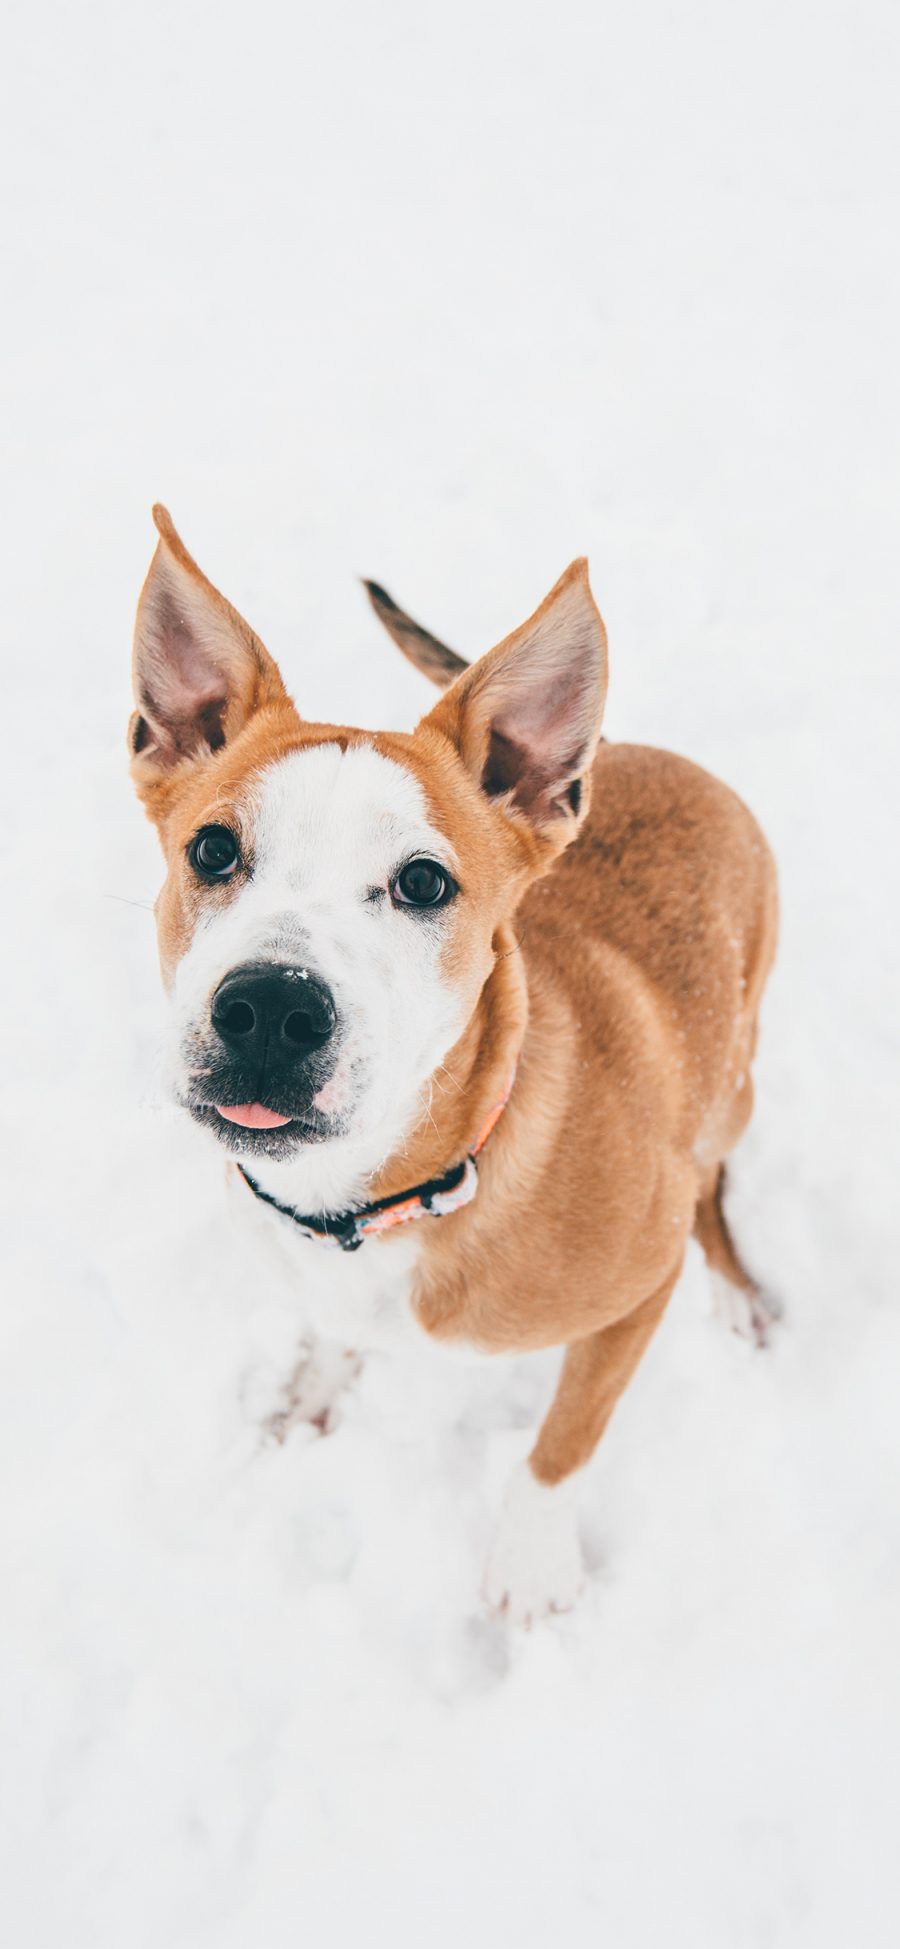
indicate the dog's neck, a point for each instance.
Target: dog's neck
{"x":439,"y":1125}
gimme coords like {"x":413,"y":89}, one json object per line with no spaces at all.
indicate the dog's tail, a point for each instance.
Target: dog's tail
{"x":429,"y":655}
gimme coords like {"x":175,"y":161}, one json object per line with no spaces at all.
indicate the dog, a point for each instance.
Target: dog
{"x":471,"y":1011}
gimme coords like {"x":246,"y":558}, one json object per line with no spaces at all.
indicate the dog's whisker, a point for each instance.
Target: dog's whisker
{"x":428,"y":1111}
{"x":443,"y":1071}
{"x":146,"y":905}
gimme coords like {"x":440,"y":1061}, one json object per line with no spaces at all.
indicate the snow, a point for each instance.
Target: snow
{"x":447,"y":299}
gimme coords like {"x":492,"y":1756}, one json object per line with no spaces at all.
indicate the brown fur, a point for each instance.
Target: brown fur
{"x":645,"y":952}
{"x":625,"y":972}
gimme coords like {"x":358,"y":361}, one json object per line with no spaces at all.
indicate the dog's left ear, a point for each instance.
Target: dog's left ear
{"x":526,"y":717}
{"x":199,"y":671}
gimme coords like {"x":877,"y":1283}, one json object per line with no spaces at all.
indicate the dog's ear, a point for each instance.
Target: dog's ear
{"x":526,"y":718}
{"x":199,"y":671}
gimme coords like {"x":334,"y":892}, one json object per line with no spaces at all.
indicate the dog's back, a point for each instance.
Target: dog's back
{"x":671,"y":883}
{"x":646,"y":947}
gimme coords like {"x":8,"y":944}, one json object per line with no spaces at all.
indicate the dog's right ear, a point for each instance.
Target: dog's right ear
{"x":200,"y":672}
{"x":525,"y":719}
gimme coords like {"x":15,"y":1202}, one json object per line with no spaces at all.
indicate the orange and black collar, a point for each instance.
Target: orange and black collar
{"x":439,"y":1196}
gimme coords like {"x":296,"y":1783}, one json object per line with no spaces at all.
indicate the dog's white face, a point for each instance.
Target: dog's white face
{"x":314,"y":986}
{"x":336,"y":902}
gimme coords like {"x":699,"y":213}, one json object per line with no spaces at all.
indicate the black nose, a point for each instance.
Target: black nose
{"x":273,"y":1015}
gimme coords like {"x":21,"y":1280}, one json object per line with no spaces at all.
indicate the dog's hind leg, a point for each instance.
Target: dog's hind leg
{"x":739,"y":1300}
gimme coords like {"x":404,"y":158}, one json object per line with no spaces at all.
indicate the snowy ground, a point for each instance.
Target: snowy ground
{"x":445,"y":301}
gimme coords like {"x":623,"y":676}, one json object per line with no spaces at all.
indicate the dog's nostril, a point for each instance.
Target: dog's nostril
{"x":301,"y":1028}
{"x":237,"y":1018}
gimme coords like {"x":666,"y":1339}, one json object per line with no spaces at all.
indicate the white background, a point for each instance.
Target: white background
{"x":447,"y":298}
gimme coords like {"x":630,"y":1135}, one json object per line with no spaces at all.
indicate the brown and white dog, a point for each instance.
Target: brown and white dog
{"x":366,"y":937}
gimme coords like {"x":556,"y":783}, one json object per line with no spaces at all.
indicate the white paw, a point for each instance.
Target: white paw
{"x":313,"y":1391}
{"x":535,"y":1564}
{"x":751,"y":1315}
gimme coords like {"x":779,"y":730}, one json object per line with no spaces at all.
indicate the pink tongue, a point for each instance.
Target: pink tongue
{"x":253,"y":1116}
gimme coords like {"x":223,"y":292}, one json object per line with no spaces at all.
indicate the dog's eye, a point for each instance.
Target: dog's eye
{"x":422,"y":883}
{"x":214,"y":853}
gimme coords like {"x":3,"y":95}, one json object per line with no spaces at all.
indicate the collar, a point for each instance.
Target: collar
{"x":349,"y":1229}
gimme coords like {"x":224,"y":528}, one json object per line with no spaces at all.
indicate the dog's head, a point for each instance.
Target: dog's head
{"x":336,"y":900}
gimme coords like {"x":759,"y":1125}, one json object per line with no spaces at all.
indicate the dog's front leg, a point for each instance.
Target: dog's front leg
{"x":535,"y":1564}
{"x":322,"y":1374}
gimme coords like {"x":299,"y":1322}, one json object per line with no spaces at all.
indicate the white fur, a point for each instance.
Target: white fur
{"x":535,"y":1563}
{"x":358,"y":1299}
{"x":752,"y":1316}
{"x":323,"y":1373}
{"x":328,"y":830}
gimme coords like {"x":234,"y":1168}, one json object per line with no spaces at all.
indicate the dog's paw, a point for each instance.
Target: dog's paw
{"x":535,"y":1565}
{"x":752,"y":1315}
{"x":320,"y":1378}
